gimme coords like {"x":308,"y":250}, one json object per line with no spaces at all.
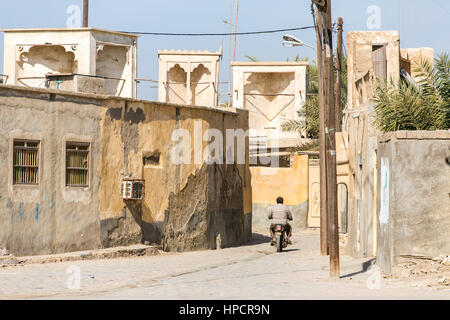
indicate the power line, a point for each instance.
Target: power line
{"x":218,"y":34}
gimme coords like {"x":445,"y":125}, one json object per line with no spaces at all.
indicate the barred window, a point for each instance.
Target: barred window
{"x":77,"y":164}
{"x":26,"y":162}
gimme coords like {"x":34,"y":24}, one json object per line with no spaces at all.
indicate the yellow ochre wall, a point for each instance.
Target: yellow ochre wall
{"x":290,"y":183}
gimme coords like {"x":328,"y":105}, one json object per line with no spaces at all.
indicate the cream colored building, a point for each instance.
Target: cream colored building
{"x":273,"y":93}
{"x":189,"y":77}
{"x":84,"y":59}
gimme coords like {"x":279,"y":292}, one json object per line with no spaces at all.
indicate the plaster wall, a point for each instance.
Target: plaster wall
{"x":124,"y":134}
{"x":290,"y":183}
{"x":134,"y":130}
{"x":49,"y":217}
{"x":414,"y":207}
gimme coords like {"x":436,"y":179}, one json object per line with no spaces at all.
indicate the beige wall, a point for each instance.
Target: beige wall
{"x":133,"y":130}
{"x":52,"y":217}
{"x":343,"y":183}
{"x":414,"y":202}
{"x":148,"y":131}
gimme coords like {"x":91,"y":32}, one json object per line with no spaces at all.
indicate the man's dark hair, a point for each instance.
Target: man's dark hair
{"x":279,"y":200}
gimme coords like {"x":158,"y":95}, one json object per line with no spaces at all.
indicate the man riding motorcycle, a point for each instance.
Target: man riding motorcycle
{"x":280,"y":214}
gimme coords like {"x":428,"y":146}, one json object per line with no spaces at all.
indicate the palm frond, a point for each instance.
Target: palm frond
{"x":401,"y":107}
{"x":308,"y":146}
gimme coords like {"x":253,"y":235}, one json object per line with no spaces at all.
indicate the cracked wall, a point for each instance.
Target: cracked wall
{"x":210,"y":206}
{"x":138,"y":134}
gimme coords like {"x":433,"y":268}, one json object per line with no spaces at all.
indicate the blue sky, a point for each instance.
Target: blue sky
{"x":421,"y":24}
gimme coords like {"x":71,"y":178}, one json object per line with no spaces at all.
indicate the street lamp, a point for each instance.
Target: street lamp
{"x":291,"y":41}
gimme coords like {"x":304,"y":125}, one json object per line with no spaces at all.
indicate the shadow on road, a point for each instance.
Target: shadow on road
{"x":258,"y":238}
{"x":364,"y":267}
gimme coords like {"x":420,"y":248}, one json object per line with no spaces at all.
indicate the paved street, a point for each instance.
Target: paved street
{"x":254,"y":271}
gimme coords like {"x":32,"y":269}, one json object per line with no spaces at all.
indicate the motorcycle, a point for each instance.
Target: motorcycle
{"x":281,"y":237}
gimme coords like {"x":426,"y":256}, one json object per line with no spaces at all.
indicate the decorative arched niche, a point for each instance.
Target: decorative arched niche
{"x":34,"y":62}
{"x":176,"y":85}
{"x":111,"y":63}
{"x":200,"y":85}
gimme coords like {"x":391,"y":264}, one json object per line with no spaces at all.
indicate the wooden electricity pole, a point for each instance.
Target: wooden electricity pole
{"x":85,"y":13}
{"x":330,"y":138}
{"x":340,"y":23}
{"x":322,"y":153}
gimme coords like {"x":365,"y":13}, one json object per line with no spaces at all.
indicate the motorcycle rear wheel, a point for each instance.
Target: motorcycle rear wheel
{"x":279,"y":244}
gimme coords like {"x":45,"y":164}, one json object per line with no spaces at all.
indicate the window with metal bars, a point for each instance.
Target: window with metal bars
{"x":77,"y":164}
{"x":26,"y":162}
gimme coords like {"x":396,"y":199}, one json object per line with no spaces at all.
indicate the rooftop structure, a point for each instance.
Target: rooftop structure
{"x":84,"y":59}
{"x":272,"y":92}
{"x":189,"y":77}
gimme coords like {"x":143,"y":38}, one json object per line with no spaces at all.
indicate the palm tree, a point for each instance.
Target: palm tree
{"x":426,"y":107}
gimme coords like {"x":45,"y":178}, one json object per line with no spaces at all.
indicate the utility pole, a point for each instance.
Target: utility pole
{"x":85,"y":13}
{"x":322,"y":153}
{"x":340,"y":23}
{"x":330,"y":138}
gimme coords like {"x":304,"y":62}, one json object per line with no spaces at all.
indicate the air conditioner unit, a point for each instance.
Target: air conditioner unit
{"x":133,"y":189}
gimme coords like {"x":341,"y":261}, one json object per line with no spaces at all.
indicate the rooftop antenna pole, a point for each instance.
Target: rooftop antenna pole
{"x":85,"y":13}
{"x":399,"y":17}
{"x":235,"y":32}
{"x":229,"y":55}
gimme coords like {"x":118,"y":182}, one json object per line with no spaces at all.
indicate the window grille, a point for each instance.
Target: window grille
{"x":26,"y":162}
{"x":77,"y":164}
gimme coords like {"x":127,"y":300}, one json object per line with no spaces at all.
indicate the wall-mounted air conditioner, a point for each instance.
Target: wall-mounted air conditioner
{"x":133,"y":189}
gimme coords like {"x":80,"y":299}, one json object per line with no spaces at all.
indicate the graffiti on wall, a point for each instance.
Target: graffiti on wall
{"x":384,"y":199}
